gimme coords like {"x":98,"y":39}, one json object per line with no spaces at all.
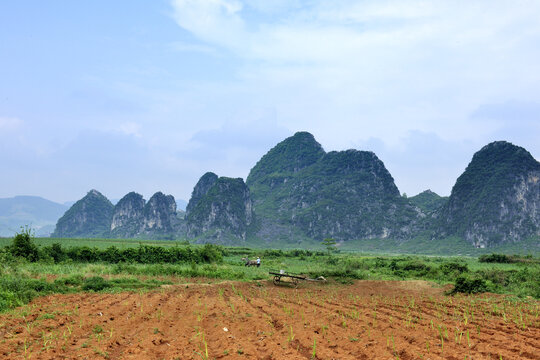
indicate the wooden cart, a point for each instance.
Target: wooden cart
{"x":281,"y":276}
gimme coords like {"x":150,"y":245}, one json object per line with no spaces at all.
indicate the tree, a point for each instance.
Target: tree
{"x":330,"y":244}
{"x":23,"y":246}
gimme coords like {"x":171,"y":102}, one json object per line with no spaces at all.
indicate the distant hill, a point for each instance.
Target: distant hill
{"x":132,"y":217}
{"x":39,"y":213}
{"x":497,"y":199}
{"x":428,"y":201}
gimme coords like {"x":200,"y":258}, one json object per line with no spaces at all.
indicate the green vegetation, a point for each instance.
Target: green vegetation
{"x":428,"y":201}
{"x":299,"y":187}
{"x":53,"y":268}
{"x":17,"y":289}
{"x":506,"y":259}
{"x":330,"y":244}
{"x":226,"y":199}
{"x":489,"y":183}
{"x":95,"y":209}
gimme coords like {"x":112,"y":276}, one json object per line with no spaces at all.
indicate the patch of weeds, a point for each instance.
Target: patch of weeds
{"x":73,"y":280}
{"x":97,"y":329}
{"x":95,"y":283}
{"x":46,"y":316}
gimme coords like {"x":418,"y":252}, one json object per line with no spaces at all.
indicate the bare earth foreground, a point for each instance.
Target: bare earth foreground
{"x":232,"y":320}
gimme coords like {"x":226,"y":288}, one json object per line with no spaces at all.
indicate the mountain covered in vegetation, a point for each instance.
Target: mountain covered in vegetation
{"x":220,"y":209}
{"x":159,"y":216}
{"x":88,"y":217}
{"x":132,"y":217}
{"x":496,"y":199}
{"x":428,"y":201}
{"x":297,"y":191}
{"x":127,"y":215}
{"x":300,"y":190}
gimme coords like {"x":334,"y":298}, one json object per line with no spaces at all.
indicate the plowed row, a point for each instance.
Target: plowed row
{"x":367,"y":320}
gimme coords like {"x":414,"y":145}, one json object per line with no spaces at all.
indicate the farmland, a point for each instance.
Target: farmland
{"x":139,"y":302}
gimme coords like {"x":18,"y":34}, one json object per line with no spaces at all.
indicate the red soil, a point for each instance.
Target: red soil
{"x":367,"y":320}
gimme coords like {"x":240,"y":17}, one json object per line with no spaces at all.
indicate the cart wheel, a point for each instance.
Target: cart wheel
{"x":277,"y":279}
{"x":295,"y":282}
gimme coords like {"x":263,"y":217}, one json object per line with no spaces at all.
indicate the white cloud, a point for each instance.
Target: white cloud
{"x":396,"y":48}
{"x":131,"y":128}
{"x":196,"y":48}
{"x":408,"y":72}
{"x":9,"y":123}
{"x":422,"y":161}
{"x":216,"y":21}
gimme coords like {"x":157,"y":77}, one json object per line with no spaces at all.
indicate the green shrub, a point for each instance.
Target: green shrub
{"x":496,"y":276}
{"x":23,"y":245}
{"x":73,"y":280}
{"x":469,"y":286}
{"x":454,"y":267}
{"x":495,"y":258}
{"x":55,"y":252}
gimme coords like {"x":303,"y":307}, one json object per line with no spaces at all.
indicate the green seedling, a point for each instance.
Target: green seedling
{"x":291,"y":334}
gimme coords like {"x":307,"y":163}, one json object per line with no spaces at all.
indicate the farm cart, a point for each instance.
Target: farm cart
{"x":282,"y":276}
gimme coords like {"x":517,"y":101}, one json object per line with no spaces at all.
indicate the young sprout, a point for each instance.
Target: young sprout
{"x":291,"y":335}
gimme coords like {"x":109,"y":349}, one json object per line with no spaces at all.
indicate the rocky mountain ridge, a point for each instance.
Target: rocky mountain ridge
{"x":497,"y":198}
{"x":340,"y":194}
{"x":220,"y":209}
{"x":88,"y":217}
{"x":297,"y":191}
{"x":132,"y":217}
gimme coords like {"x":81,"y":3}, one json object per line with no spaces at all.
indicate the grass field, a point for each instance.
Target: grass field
{"x":127,"y":264}
{"x":393,"y":305}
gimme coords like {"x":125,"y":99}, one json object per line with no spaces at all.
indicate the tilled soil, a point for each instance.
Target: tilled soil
{"x":258,"y":320}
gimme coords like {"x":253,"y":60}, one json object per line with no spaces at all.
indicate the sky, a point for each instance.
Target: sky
{"x":147,"y":96}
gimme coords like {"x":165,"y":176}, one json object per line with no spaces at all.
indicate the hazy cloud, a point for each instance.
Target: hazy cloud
{"x":423,"y":161}
{"x":217,"y":21}
{"x":233,"y":149}
{"x":186,"y":47}
{"x":9,"y":123}
{"x":153,"y":98}
{"x":515,"y":112}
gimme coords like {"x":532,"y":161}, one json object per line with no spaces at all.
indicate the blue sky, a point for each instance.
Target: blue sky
{"x":147,"y":96}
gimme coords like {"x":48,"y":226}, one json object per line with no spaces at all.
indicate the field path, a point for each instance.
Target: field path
{"x":257,"y":320}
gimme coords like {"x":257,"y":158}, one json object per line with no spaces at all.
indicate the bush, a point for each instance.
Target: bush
{"x":496,"y":276}
{"x":23,"y":245}
{"x":469,"y":286}
{"x":55,"y":252}
{"x":410,"y":268}
{"x":453,"y":267}
{"x":495,"y":258}
{"x":73,"y":280}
